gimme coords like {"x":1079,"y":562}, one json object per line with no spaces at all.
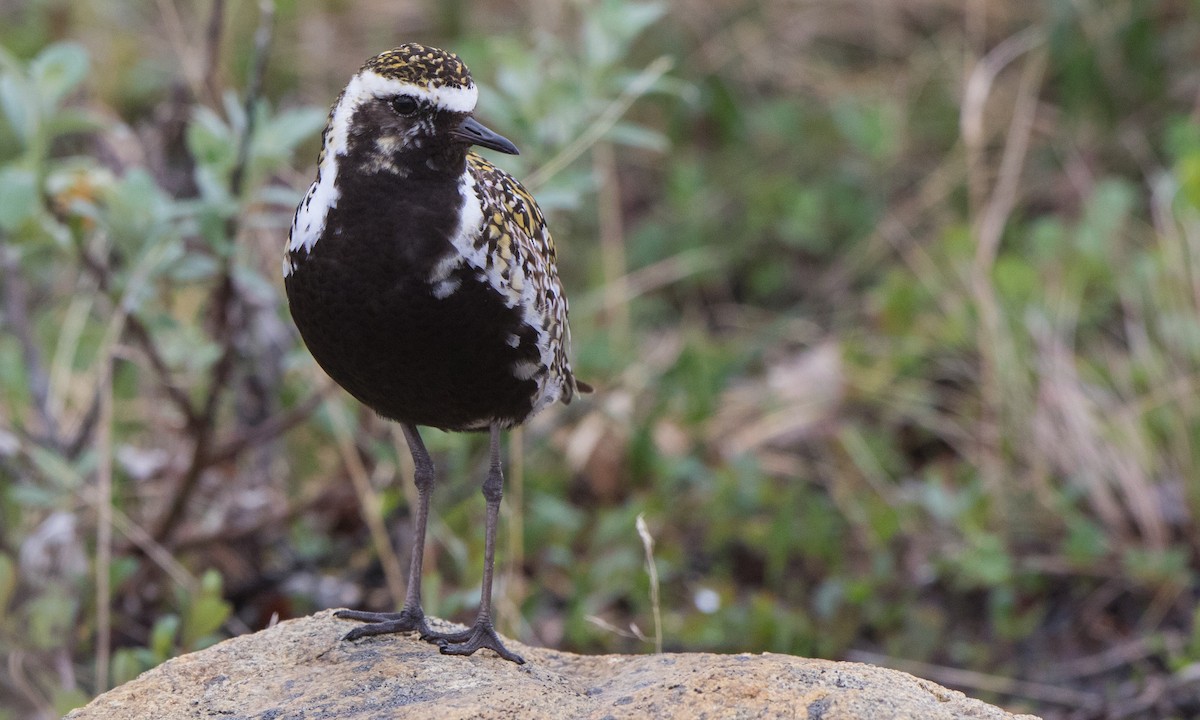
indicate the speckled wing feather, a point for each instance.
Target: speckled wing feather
{"x":521,"y":253}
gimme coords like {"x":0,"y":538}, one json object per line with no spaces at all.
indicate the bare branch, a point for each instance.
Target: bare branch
{"x":225,"y":298}
{"x":16,"y":302}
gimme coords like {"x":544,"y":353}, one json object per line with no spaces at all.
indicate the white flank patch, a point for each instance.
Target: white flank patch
{"x":524,"y":370}
{"x":446,"y":288}
{"x":323,"y":194}
{"x":470,"y":224}
{"x":515,"y":289}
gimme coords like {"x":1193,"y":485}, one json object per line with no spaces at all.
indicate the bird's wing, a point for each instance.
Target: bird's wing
{"x":515,"y":238}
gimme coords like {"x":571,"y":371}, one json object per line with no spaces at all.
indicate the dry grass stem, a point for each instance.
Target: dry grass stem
{"x":368,"y":500}
{"x":1001,"y":380}
{"x":104,"y":527}
{"x":652,"y":569}
{"x":612,"y":247}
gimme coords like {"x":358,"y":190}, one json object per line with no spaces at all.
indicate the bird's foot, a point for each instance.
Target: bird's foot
{"x":466,"y":642}
{"x":407,"y":620}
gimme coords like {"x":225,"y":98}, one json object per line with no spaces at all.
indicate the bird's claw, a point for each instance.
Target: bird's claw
{"x":385,"y":623}
{"x":466,"y":642}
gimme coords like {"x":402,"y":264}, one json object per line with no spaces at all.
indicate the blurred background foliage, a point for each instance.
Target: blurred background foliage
{"x":893,"y":308}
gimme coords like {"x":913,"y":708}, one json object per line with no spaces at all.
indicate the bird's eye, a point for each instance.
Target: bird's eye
{"x":405,"y":105}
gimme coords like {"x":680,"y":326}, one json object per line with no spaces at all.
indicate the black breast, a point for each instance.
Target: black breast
{"x":365,"y":308}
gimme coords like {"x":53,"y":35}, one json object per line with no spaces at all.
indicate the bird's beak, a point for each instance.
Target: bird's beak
{"x":475,"y":133}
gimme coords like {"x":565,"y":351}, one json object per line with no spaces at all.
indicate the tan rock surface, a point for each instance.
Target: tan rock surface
{"x":301,"y":669}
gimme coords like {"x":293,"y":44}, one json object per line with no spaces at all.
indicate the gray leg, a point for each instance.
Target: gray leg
{"x":483,"y":634}
{"x":411,"y":616}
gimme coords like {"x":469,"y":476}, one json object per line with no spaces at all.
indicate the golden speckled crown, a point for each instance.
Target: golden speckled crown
{"x":425,"y":67}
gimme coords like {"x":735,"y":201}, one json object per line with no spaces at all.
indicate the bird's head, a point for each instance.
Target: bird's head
{"x":409,"y":109}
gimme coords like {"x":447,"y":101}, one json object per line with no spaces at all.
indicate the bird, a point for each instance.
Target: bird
{"x":422,"y":279}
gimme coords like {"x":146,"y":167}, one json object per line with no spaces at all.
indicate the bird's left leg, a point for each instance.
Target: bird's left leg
{"x":482,"y":634}
{"x":412,"y":616}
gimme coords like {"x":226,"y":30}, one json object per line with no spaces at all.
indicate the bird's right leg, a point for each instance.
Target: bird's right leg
{"x":411,"y":616}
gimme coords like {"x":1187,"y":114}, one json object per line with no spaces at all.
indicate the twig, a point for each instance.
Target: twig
{"x":212,"y":52}
{"x":189,"y":60}
{"x":647,"y":279}
{"x":269,"y":429}
{"x":225,"y":296}
{"x":83,"y":431}
{"x":634,"y":632}
{"x":16,"y":303}
{"x":957,"y":677}
{"x":258,"y":71}
{"x":141,"y":335}
{"x":104,"y":490}
{"x":65,"y":348}
{"x":1122,"y":655}
{"x":162,"y":557}
{"x":142,"y":539}
{"x":993,"y":341}
{"x":612,"y":247}
{"x":31,"y":692}
{"x":975,"y":95}
{"x":232,"y":534}
{"x":992,"y":220}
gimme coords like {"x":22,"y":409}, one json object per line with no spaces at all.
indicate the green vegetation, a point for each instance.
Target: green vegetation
{"x":893,"y":309}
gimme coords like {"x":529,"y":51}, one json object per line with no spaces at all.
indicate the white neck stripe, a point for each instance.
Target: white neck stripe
{"x":309,"y":222}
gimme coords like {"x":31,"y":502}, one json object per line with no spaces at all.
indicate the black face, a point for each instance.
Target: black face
{"x":405,"y":134}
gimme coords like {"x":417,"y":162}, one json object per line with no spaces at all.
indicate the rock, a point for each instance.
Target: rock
{"x":302,"y":669}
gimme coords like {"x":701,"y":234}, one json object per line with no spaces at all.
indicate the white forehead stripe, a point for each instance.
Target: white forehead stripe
{"x":369,"y":84}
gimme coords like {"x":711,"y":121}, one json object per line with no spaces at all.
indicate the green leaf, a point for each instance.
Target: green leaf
{"x":136,"y":211}
{"x":128,"y":663}
{"x":869,"y":125}
{"x":1016,"y":279}
{"x":638,"y":137}
{"x":281,"y":195}
{"x":56,"y":72}
{"x":67,"y":699}
{"x":206,"y":613}
{"x":211,"y":141}
{"x":18,"y":103}
{"x":986,"y":563}
{"x":50,"y":617}
{"x":193,"y":268}
{"x":19,"y":200}
{"x":56,"y":468}
{"x":162,"y":637}
{"x":1188,"y":171}
{"x":280,"y":135}
{"x":254,"y":285}
{"x":1086,"y":541}
{"x":70,"y":120}
{"x":1105,"y":214}
{"x":610,"y":28}
{"x":8,"y":581}
{"x":635,"y":18}
{"x":210,"y":583}
{"x":34,"y":496}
